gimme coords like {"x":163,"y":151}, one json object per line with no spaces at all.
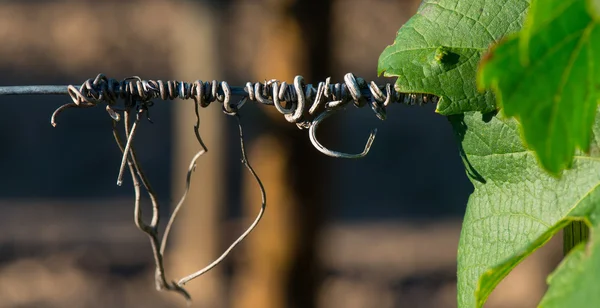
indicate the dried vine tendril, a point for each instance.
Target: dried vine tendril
{"x":300,"y":103}
{"x":303,"y":104}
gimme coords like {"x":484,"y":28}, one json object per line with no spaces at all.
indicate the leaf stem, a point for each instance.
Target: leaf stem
{"x":574,"y":233}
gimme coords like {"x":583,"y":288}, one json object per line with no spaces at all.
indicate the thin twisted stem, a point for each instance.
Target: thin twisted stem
{"x":302,"y":104}
{"x":259,"y":216}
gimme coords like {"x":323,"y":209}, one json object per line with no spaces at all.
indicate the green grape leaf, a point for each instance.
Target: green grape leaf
{"x":548,"y":76}
{"x":516,"y":207}
{"x":437,"y":51}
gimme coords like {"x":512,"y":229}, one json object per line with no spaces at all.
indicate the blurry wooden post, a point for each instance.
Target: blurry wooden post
{"x":196,"y":238}
{"x":280,"y":267}
{"x":309,"y":165}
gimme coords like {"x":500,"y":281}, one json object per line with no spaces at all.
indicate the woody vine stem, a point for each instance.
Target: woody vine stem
{"x":128,"y":102}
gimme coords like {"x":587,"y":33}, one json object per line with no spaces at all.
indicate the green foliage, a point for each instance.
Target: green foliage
{"x":437,"y":51}
{"x":516,"y":206}
{"x":575,"y":281}
{"x":548,"y":76}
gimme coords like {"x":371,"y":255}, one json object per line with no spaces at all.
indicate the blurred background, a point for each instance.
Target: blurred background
{"x":381,"y":231}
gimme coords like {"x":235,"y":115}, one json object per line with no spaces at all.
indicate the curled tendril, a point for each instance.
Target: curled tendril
{"x":259,"y":216}
{"x":137,"y":175}
{"x":328,"y":152}
{"x":299,"y":103}
{"x":302,"y":104}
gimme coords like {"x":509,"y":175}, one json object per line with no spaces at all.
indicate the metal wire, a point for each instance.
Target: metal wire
{"x":303,"y":104}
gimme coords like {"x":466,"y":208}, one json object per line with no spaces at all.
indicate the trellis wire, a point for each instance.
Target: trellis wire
{"x":302,"y":104}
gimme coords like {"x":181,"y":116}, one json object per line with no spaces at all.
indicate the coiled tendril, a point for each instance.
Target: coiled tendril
{"x":303,"y":104}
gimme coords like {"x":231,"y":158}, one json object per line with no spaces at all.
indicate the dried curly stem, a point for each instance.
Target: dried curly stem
{"x":188,"y":180}
{"x":151,"y":192}
{"x":150,"y":230}
{"x":190,"y":277}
